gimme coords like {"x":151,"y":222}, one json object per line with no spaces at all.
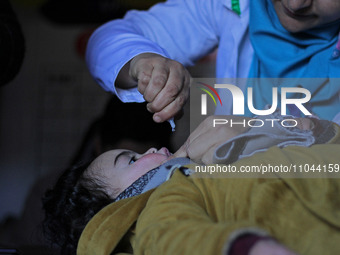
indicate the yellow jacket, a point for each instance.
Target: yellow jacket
{"x":188,"y":215}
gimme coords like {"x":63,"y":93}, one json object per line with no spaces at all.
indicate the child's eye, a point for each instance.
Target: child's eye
{"x":132,"y":160}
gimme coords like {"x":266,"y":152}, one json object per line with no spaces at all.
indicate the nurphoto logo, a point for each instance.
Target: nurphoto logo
{"x":238,"y":99}
{"x":280,"y":100}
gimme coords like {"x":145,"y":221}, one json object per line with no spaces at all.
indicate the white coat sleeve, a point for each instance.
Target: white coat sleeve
{"x":183,"y":30}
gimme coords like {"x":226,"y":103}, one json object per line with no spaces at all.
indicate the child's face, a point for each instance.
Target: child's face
{"x":118,"y":169}
{"x":300,"y":15}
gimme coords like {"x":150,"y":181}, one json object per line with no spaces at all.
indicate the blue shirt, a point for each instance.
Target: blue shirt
{"x":183,"y":30}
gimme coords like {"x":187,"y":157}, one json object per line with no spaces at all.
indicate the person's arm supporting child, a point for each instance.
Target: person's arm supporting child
{"x":203,"y":215}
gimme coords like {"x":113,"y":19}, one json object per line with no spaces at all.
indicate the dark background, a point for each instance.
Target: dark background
{"x":47,"y":109}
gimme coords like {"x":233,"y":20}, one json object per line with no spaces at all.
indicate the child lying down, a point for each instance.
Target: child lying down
{"x":115,"y":198}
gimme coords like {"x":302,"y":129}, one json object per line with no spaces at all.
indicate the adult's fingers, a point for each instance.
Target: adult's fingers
{"x":202,"y":148}
{"x":181,"y":152}
{"x":141,"y":68}
{"x":174,"y":104}
{"x":208,"y":156}
{"x":172,"y":109}
{"x":163,"y":82}
{"x":149,"y":68}
{"x":197,"y":148}
{"x":157,"y":83}
{"x":201,"y":130}
{"x":177,"y":82}
{"x":204,"y":156}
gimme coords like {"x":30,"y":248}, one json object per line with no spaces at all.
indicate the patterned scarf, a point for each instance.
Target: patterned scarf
{"x":153,"y":178}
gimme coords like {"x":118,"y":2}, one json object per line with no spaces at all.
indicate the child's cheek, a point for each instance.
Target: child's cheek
{"x":151,"y":161}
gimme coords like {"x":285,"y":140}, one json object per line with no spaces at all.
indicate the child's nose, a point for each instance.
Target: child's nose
{"x":151,"y":150}
{"x":299,"y":5}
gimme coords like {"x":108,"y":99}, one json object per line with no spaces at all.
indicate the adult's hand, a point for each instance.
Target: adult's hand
{"x":203,"y":141}
{"x":163,"y":82}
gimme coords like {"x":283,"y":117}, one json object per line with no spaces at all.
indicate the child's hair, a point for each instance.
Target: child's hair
{"x":69,"y":206}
